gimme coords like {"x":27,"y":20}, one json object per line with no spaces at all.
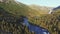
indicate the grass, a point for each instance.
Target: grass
{"x":48,"y":21}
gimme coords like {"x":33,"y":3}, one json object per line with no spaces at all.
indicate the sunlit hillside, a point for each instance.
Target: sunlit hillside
{"x":18,"y":8}
{"x":40,"y":9}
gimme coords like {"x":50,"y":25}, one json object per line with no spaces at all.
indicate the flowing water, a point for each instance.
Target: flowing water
{"x":50,"y":11}
{"x":34,"y":28}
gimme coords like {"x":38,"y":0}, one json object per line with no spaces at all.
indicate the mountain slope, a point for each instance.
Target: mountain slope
{"x":9,"y":13}
{"x":11,"y":24}
{"x":56,"y":10}
{"x":40,"y":9}
{"x":19,"y":9}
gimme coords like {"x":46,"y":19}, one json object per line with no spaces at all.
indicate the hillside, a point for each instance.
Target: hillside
{"x":19,"y":9}
{"x":49,"y":21}
{"x":11,"y":20}
{"x":11,"y":24}
{"x":40,"y":9}
{"x":10,"y":16}
{"x":56,"y":10}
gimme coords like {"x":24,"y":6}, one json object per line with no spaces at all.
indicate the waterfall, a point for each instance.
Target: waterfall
{"x":51,"y":10}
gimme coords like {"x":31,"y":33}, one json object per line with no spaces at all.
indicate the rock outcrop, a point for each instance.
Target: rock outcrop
{"x":5,"y":1}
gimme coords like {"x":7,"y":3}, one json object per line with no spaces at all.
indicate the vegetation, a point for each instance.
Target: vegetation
{"x":10,"y":20}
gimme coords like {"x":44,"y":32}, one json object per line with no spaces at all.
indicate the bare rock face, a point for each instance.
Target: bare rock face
{"x":1,"y":0}
{"x":5,"y":1}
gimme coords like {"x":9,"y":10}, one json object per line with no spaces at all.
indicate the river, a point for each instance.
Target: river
{"x":34,"y":28}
